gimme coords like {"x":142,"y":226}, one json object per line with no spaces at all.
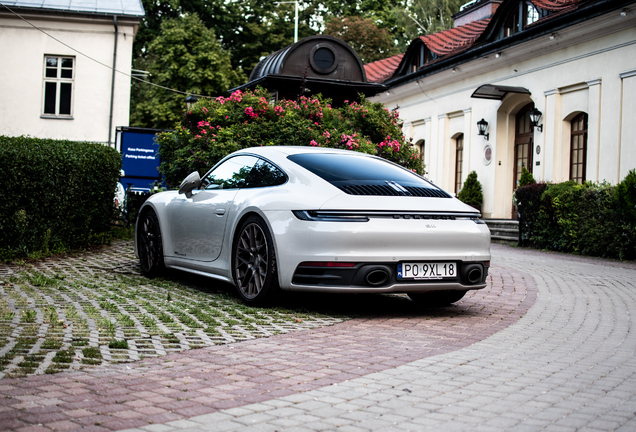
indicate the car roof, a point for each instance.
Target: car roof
{"x":292,"y":150}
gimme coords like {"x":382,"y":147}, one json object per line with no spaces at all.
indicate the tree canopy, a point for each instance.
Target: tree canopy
{"x":187,"y":56}
{"x":210,"y":46}
{"x":370,"y":41}
{"x":422,"y":17}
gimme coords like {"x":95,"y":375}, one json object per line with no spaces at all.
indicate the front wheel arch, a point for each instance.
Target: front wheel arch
{"x":238,"y":225}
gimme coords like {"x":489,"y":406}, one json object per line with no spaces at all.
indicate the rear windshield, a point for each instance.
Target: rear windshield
{"x":361,"y":175}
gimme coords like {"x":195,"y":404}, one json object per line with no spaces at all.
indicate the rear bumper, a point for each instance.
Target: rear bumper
{"x":382,"y":277}
{"x":376,"y":243}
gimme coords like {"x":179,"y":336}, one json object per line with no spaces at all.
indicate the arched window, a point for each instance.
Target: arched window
{"x":578,"y":148}
{"x":419,"y":145}
{"x":459,"y":159}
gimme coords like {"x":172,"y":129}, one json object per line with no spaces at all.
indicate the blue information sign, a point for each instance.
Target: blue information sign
{"x":140,"y":161}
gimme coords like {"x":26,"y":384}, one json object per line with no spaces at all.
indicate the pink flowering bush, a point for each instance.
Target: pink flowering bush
{"x":214,"y":128}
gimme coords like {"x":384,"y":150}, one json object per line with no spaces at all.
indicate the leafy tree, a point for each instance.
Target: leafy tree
{"x":263,"y":28}
{"x":247,"y":29}
{"x":185,"y":56}
{"x":237,"y":34}
{"x":364,"y":36}
{"x":471,"y":193}
{"x":214,"y":128}
{"x":251,"y":29}
{"x":150,"y":25}
{"x":422,"y":17}
{"x":381,"y":12}
{"x":218,"y":15}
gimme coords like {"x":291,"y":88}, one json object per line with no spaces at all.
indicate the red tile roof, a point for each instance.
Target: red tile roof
{"x":455,"y":39}
{"x":379,"y":71}
{"x":442,"y":43}
{"x":555,"y":5}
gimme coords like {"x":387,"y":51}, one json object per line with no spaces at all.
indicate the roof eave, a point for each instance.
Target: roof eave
{"x":86,"y":13}
{"x":481,"y":50}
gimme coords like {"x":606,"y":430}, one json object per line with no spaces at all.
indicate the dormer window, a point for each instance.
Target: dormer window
{"x":521,"y":18}
{"x":422,"y":57}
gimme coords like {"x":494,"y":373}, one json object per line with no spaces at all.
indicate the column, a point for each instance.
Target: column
{"x":594,"y":130}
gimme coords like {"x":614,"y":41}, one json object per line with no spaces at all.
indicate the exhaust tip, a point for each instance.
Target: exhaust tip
{"x":474,"y":275}
{"x":377,"y":277}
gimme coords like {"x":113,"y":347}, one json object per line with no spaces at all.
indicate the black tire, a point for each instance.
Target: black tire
{"x":437,"y":298}
{"x":149,"y":244}
{"x":254,"y":263}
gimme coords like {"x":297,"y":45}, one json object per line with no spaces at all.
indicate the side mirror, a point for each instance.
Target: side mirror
{"x":192,"y":181}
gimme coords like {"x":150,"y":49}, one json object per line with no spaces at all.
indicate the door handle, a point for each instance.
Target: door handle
{"x":219,"y":212}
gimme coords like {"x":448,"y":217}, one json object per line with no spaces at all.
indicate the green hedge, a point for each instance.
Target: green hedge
{"x":588,"y":219}
{"x":56,"y":194}
{"x":214,"y":128}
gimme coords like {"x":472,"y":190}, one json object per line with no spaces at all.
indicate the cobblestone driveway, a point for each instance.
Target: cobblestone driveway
{"x":97,"y":309}
{"x":483,"y":364}
{"x":568,"y":365}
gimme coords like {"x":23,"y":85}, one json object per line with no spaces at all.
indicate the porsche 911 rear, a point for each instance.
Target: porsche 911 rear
{"x":388,"y":230}
{"x":381,"y":251}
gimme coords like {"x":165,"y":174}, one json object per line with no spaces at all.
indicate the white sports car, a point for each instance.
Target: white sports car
{"x":314,"y":219}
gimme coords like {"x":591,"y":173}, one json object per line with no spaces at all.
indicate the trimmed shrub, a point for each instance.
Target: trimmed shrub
{"x":626,"y":195}
{"x":471,"y":193}
{"x":526,"y":178}
{"x":528,"y":200}
{"x":56,"y":194}
{"x":214,"y":128}
{"x":587,"y":219}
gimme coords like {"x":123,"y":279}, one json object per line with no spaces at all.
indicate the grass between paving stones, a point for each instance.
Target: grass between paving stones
{"x":71,"y":317}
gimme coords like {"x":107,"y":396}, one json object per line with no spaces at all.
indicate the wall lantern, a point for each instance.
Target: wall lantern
{"x":191,"y":100}
{"x":482,"y":125}
{"x":535,"y":117}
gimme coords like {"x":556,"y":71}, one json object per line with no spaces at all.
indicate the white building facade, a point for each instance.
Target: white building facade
{"x":57,"y":80}
{"x":572,"y":62}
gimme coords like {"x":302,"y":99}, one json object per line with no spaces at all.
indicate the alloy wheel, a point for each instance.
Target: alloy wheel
{"x":251,"y":263}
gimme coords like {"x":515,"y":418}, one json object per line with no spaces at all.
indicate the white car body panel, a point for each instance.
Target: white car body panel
{"x":391,"y":235}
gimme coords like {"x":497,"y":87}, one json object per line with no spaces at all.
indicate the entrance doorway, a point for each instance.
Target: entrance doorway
{"x":523,"y":147}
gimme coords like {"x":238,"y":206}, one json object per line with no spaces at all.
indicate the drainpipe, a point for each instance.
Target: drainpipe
{"x":112,"y":87}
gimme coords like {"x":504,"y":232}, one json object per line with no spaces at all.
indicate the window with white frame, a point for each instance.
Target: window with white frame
{"x":58,"y":85}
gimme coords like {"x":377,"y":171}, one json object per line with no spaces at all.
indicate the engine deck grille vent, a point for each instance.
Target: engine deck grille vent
{"x":385,"y":190}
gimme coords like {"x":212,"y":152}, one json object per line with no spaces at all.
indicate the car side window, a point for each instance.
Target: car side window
{"x":231,"y":174}
{"x":265,"y":174}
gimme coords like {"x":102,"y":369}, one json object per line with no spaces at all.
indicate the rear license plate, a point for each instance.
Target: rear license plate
{"x":423,"y":271}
